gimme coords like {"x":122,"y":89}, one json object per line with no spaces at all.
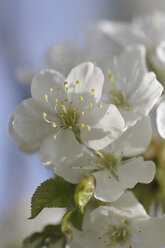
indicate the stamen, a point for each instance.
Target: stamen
{"x":44,"y":114}
{"x":65,"y":83}
{"x":59,"y":88}
{"x":82,"y":113}
{"x":90,"y":105}
{"x":51,"y":90}
{"x":53,"y":124}
{"x":64,"y":109}
{"x":82,"y":125}
{"x":54,"y":137}
{"x":78,"y":82}
{"x":74,"y":109}
{"x":46,"y":97}
{"x":70,"y":127}
{"x":80,"y":98}
{"x":56,"y":100}
{"x":129,"y":107}
{"x":99,"y":153}
{"x":67,"y":88}
{"x":93,"y":90}
{"x":66,"y":100}
{"x":89,"y":128}
{"x":100,"y":105}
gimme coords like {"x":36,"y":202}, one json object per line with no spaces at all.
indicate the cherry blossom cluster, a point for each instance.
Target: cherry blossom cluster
{"x":96,"y":120}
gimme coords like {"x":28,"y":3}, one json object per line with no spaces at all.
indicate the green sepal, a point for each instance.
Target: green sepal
{"x":51,"y":235}
{"x":76,"y":218}
{"x":66,"y":227}
{"x":84,"y":191}
{"x":55,"y":192}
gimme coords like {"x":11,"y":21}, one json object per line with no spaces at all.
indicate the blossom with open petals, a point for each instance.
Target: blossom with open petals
{"x":64,"y":113}
{"x":115,"y":168}
{"x":124,"y":224}
{"x":131,"y":88}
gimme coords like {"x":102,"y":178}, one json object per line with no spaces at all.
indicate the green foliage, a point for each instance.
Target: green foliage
{"x":55,"y":192}
{"x":51,"y":235}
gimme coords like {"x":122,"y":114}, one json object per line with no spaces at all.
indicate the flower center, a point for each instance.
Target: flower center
{"x":118,"y":97}
{"x":116,"y":234}
{"x":109,"y":161}
{"x":119,"y":234}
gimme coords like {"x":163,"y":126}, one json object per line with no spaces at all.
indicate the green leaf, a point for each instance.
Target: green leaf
{"x":76,"y":219}
{"x":51,"y":235}
{"x":84,"y":191}
{"x":55,"y":192}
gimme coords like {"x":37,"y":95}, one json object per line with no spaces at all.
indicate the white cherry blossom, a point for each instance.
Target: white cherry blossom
{"x":147,"y":30}
{"x":115,"y":168}
{"x":131,"y":88}
{"x":123,"y":224}
{"x":64,"y":113}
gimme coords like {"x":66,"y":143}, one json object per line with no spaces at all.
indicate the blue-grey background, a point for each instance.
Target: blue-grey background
{"x":27,"y":30}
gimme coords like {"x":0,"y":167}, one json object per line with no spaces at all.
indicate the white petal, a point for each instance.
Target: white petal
{"x":23,"y":146}
{"x":73,"y":171}
{"x":90,"y":77}
{"x":152,"y":232}
{"x":64,"y":147}
{"x":134,"y":69}
{"x":63,"y":57}
{"x":128,"y":202}
{"x":130,"y":173}
{"x":44,"y":81}
{"x":160,"y":119}
{"x":28,"y":122}
{"x":106,"y":125}
{"x":122,"y":33}
{"x":130,"y":117}
{"x":135,"y":140}
{"x":149,"y":91}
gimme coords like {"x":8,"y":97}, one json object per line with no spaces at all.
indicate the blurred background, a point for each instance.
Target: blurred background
{"x":28,"y":28}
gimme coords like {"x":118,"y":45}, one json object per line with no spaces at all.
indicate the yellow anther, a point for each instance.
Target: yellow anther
{"x":61,"y":115}
{"x":51,"y":90}
{"x":105,"y":226}
{"x":123,"y":221}
{"x":137,"y":88}
{"x":127,"y":145}
{"x":111,"y":77}
{"x":70,"y":127}
{"x":139,"y":230}
{"x":59,"y":88}
{"x":67,"y":88}
{"x":64,"y":109}
{"x":88,"y":128}
{"x":66,"y":100}
{"x":93,"y":90}
{"x":80,"y":98}
{"x":55,"y":99}
{"x":78,"y":82}
{"x":109,"y":177}
{"x":54,"y":137}
{"x":82,"y":125}
{"x":56,"y":105}
{"x":46,"y":97}
{"x":65,"y":83}
{"x":62,"y":102}
{"x":100,"y":154}
{"x":54,"y":124}
{"x":74,"y":109}
{"x":81,"y":166}
{"x":82,"y":113}
{"x":133,"y":132}
{"x":100,"y":105}
{"x":90,"y":105}
{"x":129,"y":107}
{"x":44,"y":114}
{"x":71,"y":102}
